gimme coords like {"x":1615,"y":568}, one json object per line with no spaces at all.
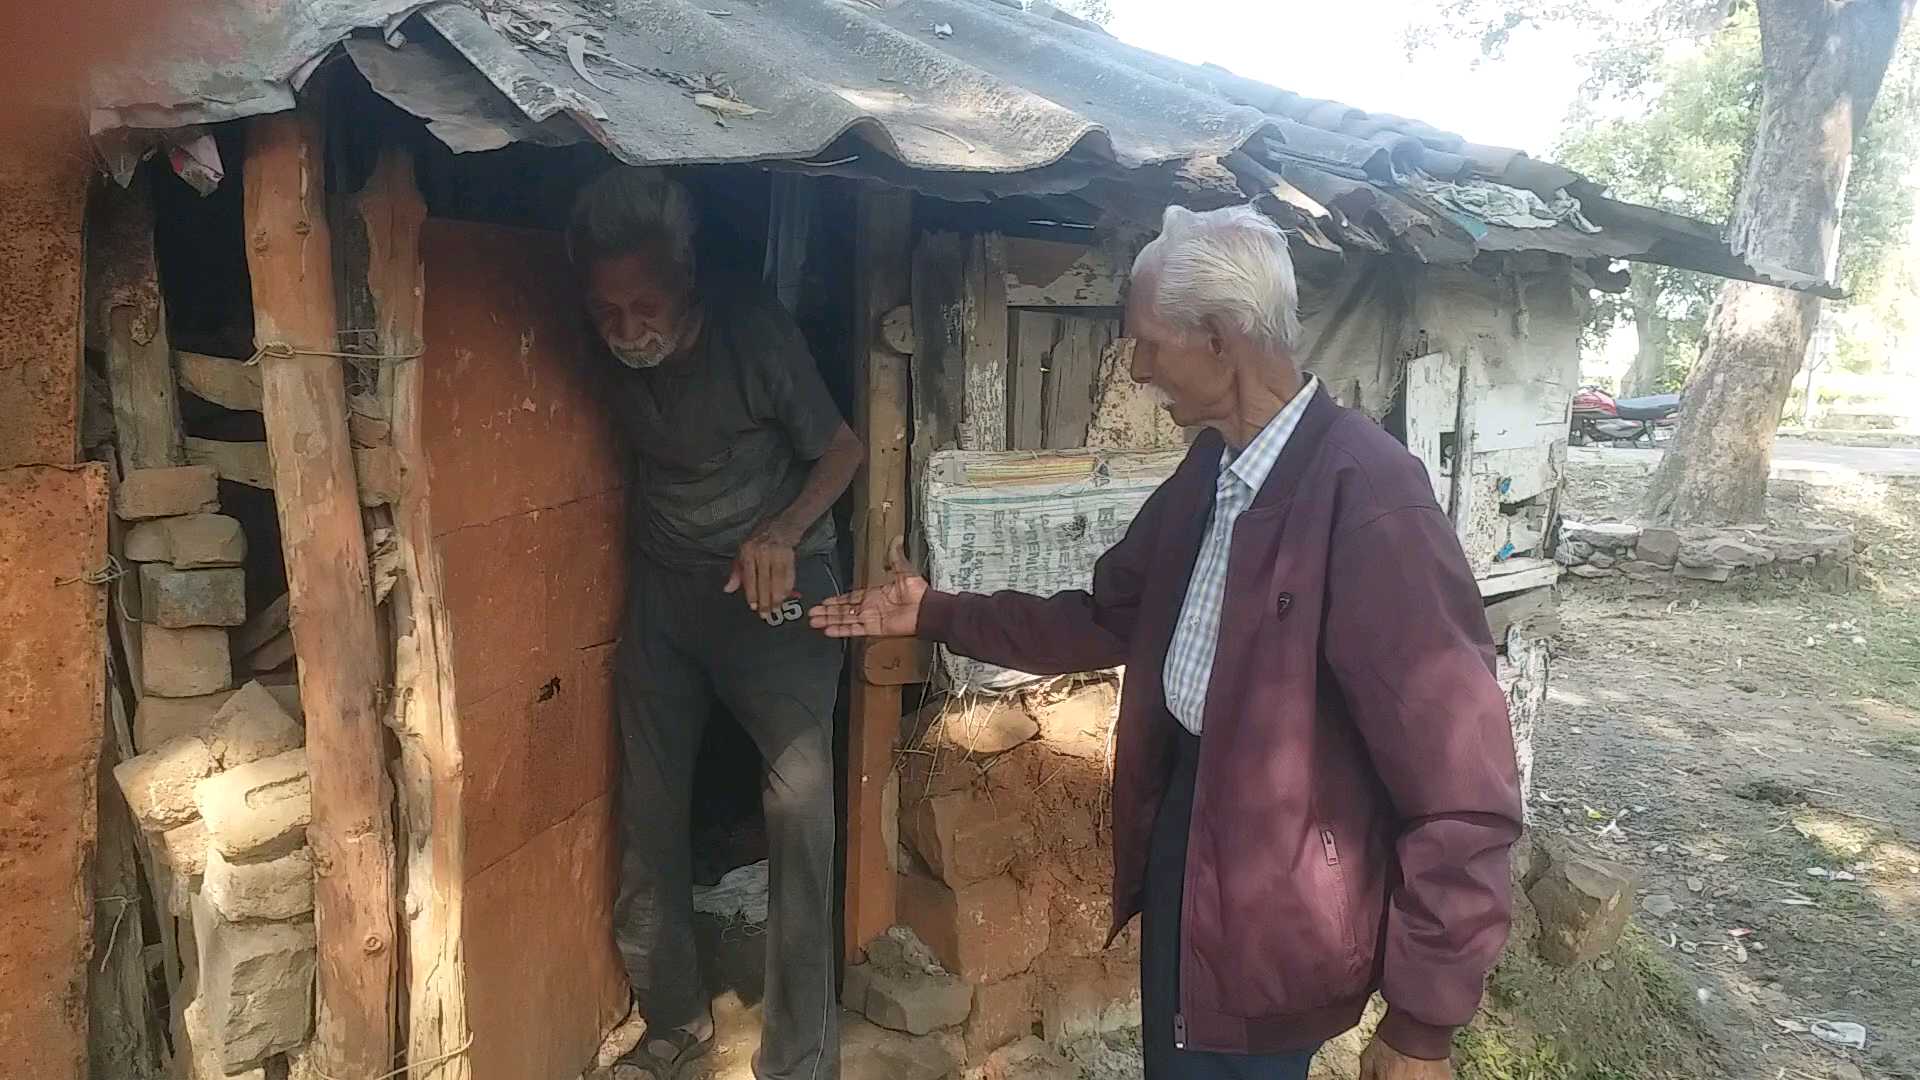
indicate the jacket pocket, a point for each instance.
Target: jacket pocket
{"x":1343,"y":901}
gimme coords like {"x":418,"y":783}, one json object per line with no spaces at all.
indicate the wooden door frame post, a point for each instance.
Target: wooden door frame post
{"x":304,"y":402}
{"x":883,"y":260}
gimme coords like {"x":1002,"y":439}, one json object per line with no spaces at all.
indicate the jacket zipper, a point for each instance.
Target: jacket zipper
{"x":1179,"y":1031}
{"x":1333,"y":851}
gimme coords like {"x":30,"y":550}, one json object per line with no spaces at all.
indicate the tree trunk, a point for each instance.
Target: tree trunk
{"x":1822,"y":63}
{"x":1649,"y":335}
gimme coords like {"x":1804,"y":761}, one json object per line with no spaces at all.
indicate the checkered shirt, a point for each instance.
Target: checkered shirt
{"x":1190,"y":658}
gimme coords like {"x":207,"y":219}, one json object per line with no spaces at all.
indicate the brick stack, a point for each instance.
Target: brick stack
{"x":1006,"y":870}
{"x":220,"y":782}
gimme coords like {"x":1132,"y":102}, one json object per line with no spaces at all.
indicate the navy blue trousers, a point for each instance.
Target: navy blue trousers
{"x":1160,"y":949}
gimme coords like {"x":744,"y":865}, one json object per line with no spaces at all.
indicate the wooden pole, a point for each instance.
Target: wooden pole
{"x":882,"y":268}
{"x":391,"y":213}
{"x":304,"y":403}
{"x":132,"y":323}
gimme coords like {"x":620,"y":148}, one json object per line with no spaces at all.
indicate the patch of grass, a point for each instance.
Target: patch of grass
{"x":1629,"y":1017}
{"x":1494,"y":1053}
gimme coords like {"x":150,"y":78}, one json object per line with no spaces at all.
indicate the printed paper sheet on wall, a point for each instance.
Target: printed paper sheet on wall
{"x":1036,"y":523}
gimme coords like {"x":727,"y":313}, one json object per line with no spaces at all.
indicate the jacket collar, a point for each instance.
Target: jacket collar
{"x":1321,"y":412}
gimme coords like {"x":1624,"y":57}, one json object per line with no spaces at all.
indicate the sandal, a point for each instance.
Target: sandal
{"x":681,"y":1048}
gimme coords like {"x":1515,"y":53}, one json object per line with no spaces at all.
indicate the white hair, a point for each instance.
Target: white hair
{"x":624,"y":209}
{"x":1229,"y":266}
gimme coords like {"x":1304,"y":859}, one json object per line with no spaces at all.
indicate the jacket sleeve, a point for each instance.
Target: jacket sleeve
{"x":1067,"y":632}
{"x":1406,"y":638}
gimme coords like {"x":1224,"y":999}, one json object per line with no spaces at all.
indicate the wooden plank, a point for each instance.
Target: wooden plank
{"x":248,"y":463}
{"x":230,"y":384}
{"x":983,"y":413}
{"x":378,"y":474}
{"x":304,"y":404}
{"x":884,"y":261}
{"x":1527,"y":574}
{"x":1069,"y":393}
{"x":1034,"y":335}
{"x":938,"y":370}
{"x":391,"y":211}
{"x":133,"y":319}
{"x":261,"y":627}
{"x":1048,"y":273}
{"x":1532,"y":609}
{"x":1433,"y":390}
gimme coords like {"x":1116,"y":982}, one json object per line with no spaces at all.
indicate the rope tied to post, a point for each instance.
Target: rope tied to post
{"x":112,"y":571}
{"x":280,"y":350}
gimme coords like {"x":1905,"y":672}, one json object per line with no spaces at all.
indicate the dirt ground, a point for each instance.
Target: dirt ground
{"x":1754,"y":752}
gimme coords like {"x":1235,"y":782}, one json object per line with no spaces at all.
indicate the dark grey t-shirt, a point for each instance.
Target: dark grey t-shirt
{"x":725,"y":434}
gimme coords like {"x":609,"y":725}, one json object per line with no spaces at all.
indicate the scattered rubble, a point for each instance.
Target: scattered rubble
{"x":1824,"y":553}
{"x":894,"y":992}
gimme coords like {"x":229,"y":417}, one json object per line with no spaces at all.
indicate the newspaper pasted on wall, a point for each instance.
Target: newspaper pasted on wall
{"x":1030,"y":521}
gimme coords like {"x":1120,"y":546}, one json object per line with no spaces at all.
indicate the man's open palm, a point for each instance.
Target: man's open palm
{"x":890,"y":610}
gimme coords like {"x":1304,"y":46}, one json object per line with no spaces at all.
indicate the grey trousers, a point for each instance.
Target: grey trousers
{"x":687,"y":644}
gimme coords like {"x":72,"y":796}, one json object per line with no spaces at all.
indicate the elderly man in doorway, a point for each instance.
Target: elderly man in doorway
{"x":1315,"y":790}
{"x":740,"y":455}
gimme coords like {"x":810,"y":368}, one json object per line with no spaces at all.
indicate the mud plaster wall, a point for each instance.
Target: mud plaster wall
{"x":43,"y":194}
{"x":53,"y":528}
{"x":527,"y":504}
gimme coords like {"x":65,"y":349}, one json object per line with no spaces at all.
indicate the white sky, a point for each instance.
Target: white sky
{"x":1354,"y":52}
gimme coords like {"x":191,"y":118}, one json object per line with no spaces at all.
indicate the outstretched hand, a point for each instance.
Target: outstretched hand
{"x":889,"y":610}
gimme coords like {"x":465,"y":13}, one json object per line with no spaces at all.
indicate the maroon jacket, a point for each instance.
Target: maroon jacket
{"x":1357,"y":793}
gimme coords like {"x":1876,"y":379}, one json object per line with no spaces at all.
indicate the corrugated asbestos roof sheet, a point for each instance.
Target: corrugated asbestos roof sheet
{"x":969,"y":99}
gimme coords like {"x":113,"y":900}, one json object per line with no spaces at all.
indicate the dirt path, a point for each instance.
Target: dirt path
{"x":1736,"y":741}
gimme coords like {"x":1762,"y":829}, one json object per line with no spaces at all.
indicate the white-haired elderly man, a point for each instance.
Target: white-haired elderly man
{"x":741,"y":454}
{"x":1314,"y":790}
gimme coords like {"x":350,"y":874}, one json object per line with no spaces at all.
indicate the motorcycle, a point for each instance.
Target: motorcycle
{"x":1599,"y":417}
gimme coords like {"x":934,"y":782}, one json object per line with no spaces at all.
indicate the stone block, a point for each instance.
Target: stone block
{"x":1723,"y":550}
{"x":181,"y":598}
{"x":967,"y":837}
{"x":1002,"y":1013}
{"x":984,"y":931}
{"x":1583,"y":904}
{"x":261,"y":809}
{"x":184,"y":662}
{"x":148,"y":542}
{"x":250,"y":726}
{"x":158,"y":493}
{"x":871,"y":1052}
{"x":1638,"y":568}
{"x":1659,"y":546}
{"x":896,"y":992}
{"x":184,"y":849}
{"x":1586,"y":571}
{"x":202,"y":540}
{"x":1085,"y":998}
{"x":201,"y":1052}
{"x":256,"y":984}
{"x":1078,"y":725}
{"x":1601,"y":559}
{"x":161,"y":719}
{"x":279,"y":888}
{"x":1603,"y":535}
{"x":1703,"y":573}
{"x":1028,"y":1059}
{"x":159,"y":785}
